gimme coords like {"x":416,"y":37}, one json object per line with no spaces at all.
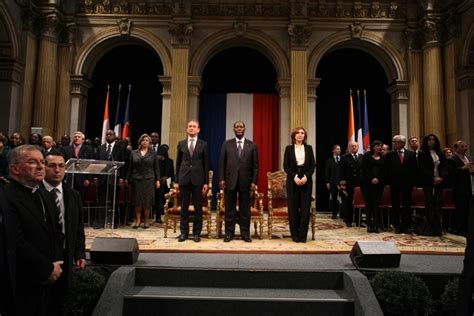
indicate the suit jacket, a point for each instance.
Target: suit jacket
{"x":371,"y":169}
{"x":39,"y":236}
{"x":143,"y":167}
{"x":332,"y":171}
{"x":233,"y":169}
{"x":8,"y":254}
{"x":290,"y":165}
{"x":192,"y":170}
{"x":351,"y":170}
{"x":400,"y":175}
{"x":75,"y":237}
{"x":461,"y":178}
{"x":426,"y":168}
{"x":118,"y":154}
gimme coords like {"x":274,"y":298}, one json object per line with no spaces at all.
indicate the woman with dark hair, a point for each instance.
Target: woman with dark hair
{"x":432,"y":163}
{"x":144,"y":176}
{"x":299,"y":166}
{"x":373,"y":177}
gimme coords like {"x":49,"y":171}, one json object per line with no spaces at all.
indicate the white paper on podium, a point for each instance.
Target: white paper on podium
{"x":95,"y":168}
{"x":168,"y":182}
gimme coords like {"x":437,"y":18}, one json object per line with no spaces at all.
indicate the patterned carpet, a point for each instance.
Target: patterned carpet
{"x":332,"y":237}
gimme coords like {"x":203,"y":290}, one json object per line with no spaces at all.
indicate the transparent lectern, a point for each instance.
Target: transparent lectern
{"x":107,"y":177}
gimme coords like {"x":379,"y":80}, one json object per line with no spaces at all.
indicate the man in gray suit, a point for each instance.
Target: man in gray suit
{"x":192,"y":178}
{"x":238,"y":170}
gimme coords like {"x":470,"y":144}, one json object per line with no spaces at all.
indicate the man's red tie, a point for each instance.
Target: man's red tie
{"x":76,"y":151}
{"x":400,"y":156}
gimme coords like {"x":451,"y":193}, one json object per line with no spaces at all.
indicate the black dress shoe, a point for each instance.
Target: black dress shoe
{"x":227,"y":238}
{"x":182,"y":238}
{"x":197,"y":238}
{"x":247,"y":239}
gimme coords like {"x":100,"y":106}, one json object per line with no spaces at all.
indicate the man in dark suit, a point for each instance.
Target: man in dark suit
{"x":192,"y":178}
{"x":238,"y":171}
{"x":39,"y":240}
{"x":111,"y":150}
{"x":70,"y":209}
{"x":7,"y":257}
{"x":332,"y":176}
{"x":401,"y":167}
{"x":80,"y":151}
{"x":459,"y":169}
{"x":48,"y":143}
{"x":351,"y":166}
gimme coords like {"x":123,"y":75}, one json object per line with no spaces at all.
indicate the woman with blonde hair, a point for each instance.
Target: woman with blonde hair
{"x":144,"y":177}
{"x":299,"y":164}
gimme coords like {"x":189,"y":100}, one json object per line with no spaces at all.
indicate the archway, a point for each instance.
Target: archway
{"x":239,"y":83}
{"x":132,"y":65}
{"x":341,"y":70}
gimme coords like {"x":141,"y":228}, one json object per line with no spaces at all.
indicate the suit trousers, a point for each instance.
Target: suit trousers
{"x":373,"y":197}
{"x":433,"y":196}
{"x":189,"y":191}
{"x":299,"y":205}
{"x":401,"y":194}
{"x":231,"y":209}
{"x":333,"y":201}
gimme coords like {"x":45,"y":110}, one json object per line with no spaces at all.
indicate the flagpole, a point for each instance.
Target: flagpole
{"x":359,"y":127}
{"x":126,"y":132}
{"x":106,"y":122}
{"x":118,"y":124}
{"x":365,"y":129}
{"x":351,"y":129}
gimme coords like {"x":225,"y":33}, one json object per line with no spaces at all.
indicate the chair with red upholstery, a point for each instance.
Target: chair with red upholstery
{"x":278,"y":202}
{"x":417,"y":199}
{"x":386,"y":204}
{"x":91,"y":200}
{"x":256,"y":212}
{"x":173,"y":210}
{"x":358,"y":203}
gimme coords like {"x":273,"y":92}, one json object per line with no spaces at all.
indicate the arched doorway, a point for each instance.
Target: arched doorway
{"x":239,"y":83}
{"x":341,"y":70}
{"x":132,"y":65}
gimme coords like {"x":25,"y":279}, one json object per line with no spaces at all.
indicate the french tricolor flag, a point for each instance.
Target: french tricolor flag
{"x":259,"y":112}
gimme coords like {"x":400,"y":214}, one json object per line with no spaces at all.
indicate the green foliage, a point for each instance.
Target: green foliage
{"x":402,"y":293}
{"x":86,"y":288}
{"x":449,"y":297}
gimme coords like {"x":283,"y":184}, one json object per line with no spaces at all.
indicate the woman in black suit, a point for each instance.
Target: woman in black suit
{"x":144,"y":176}
{"x":373,"y":176}
{"x":299,"y":166}
{"x":432,"y":163}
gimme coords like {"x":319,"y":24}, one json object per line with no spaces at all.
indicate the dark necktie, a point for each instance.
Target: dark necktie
{"x":109,"y":151}
{"x":337,"y":159}
{"x":191,"y":147}
{"x":239,"y":148}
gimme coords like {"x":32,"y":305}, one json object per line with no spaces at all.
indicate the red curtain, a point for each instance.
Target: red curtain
{"x":266,"y":134}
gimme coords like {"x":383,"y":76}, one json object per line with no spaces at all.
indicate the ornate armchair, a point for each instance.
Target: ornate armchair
{"x":256,"y":212}
{"x":172,"y":209}
{"x":278,"y":202}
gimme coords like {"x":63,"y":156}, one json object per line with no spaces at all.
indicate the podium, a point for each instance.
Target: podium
{"x":107,"y":170}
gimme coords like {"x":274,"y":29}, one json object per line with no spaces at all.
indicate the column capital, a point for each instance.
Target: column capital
{"x":432,"y":30}
{"x":181,"y":34}
{"x":10,"y":70}
{"x":80,"y":85}
{"x":313,"y":84}
{"x":413,"y":38}
{"x":283,"y":86}
{"x":194,"y":85}
{"x":51,"y":25}
{"x":399,"y":90}
{"x":466,"y":79}
{"x":166,"y":82}
{"x":299,"y":35}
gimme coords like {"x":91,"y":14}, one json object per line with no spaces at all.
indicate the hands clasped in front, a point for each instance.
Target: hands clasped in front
{"x":56,"y":273}
{"x":301,"y":181}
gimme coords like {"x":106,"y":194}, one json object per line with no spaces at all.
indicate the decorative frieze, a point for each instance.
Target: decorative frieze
{"x":156,"y":7}
{"x":363,"y":9}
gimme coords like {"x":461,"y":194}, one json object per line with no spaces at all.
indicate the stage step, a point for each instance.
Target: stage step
{"x":204,"y":291}
{"x":230,"y":301}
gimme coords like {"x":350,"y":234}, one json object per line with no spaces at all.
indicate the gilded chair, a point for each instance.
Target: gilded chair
{"x":256,"y":212}
{"x":278,"y":202}
{"x":172,"y":209}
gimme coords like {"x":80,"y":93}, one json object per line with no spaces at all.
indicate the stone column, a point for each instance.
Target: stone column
{"x":433,"y":83}
{"x":10,"y":79}
{"x":450,"y":91}
{"x":180,"y":33}
{"x":398,"y":91}
{"x":46,"y":76}
{"x":299,"y":35}
{"x":465,"y":111}
{"x":313,"y":84}
{"x":415,"y":75}
{"x":166,"y":109}
{"x":79,"y":89}
{"x":31,"y":54}
{"x":63,"y":106}
{"x":194,"y":89}
{"x":283,"y":87}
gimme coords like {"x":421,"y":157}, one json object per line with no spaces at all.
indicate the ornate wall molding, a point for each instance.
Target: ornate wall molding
{"x":120,"y":7}
{"x":412,"y":38}
{"x":283,"y":86}
{"x":166,"y":83}
{"x":361,"y":9}
{"x":11,"y":71}
{"x":240,"y":28}
{"x":356,"y":29}
{"x":80,"y":85}
{"x":125,"y":26}
{"x":51,"y":26}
